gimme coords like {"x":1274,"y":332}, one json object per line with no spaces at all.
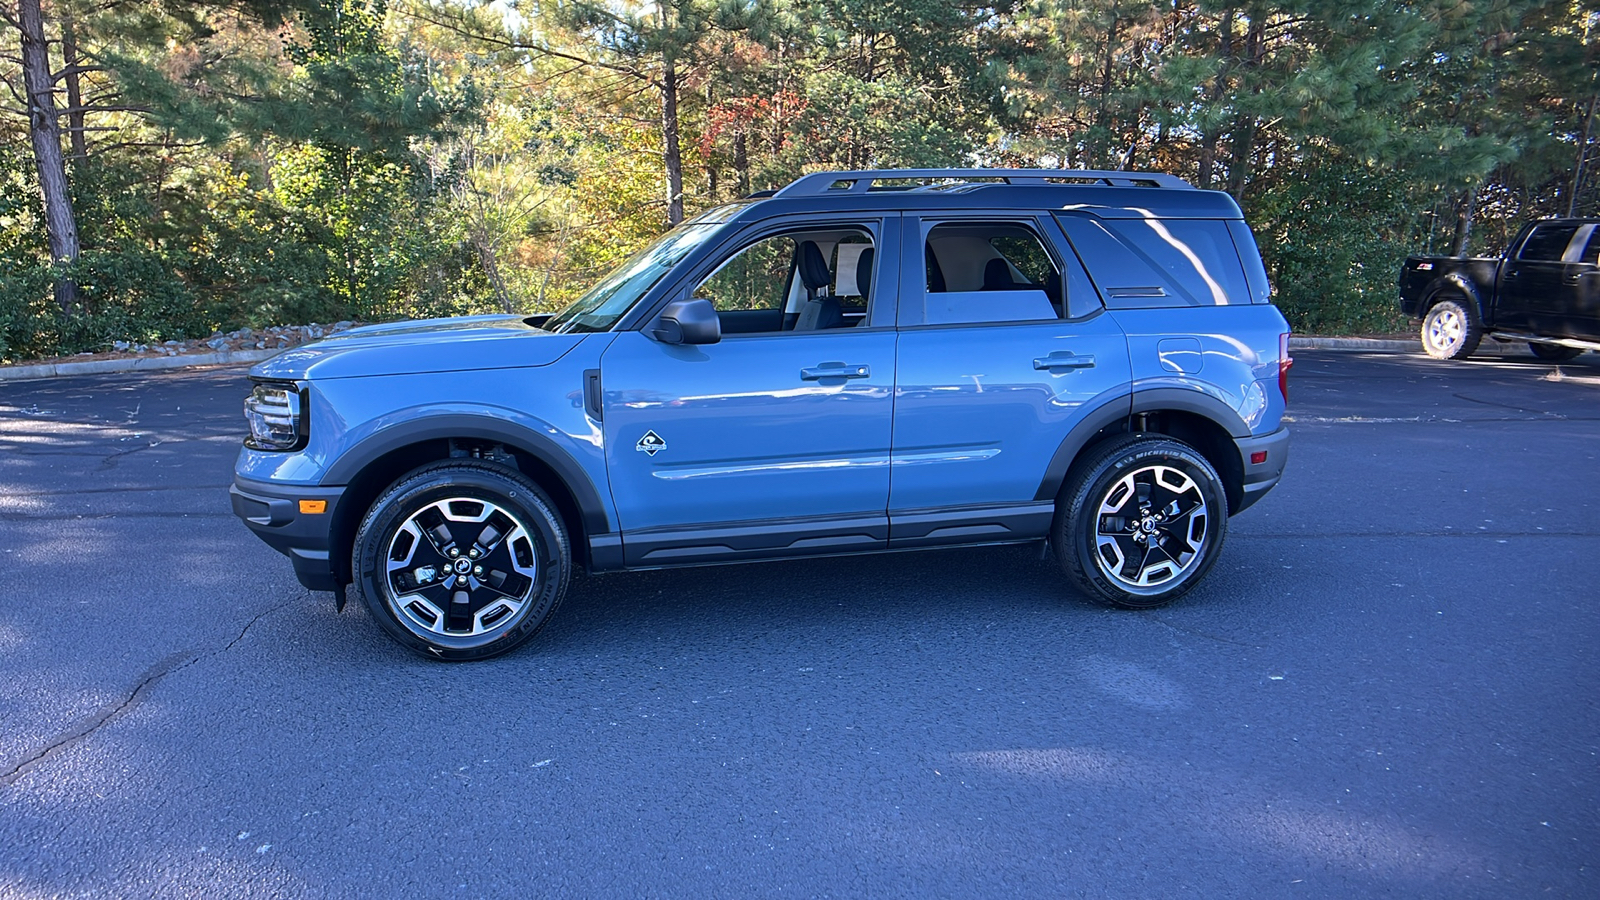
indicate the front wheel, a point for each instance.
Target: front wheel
{"x":1450,"y":330}
{"x":1553,"y":352}
{"x":462,"y":560}
{"x":1141,"y":521}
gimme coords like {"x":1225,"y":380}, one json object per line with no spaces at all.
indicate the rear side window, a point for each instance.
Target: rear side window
{"x":989,"y":272}
{"x":1547,"y":243}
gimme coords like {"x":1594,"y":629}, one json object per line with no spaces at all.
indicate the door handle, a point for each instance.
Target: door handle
{"x":834,"y":370}
{"x":1064,"y":360}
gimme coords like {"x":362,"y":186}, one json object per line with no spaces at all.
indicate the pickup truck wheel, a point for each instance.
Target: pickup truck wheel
{"x":462,"y":560}
{"x":1140,"y":522}
{"x":1450,"y":330}
{"x":1553,"y":352}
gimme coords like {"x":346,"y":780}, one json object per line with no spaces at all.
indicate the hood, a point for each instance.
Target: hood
{"x":420,"y":347}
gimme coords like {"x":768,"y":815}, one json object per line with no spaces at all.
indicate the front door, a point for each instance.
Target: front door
{"x":775,"y":440}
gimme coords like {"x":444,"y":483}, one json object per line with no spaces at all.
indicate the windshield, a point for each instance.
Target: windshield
{"x":607,"y":301}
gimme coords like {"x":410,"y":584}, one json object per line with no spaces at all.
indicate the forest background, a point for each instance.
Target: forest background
{"x":169,"y":168}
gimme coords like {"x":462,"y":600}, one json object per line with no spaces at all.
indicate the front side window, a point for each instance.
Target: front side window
{"x":1548,"y":243}
{"x":757,"y":278}
{"x":812,"y":280}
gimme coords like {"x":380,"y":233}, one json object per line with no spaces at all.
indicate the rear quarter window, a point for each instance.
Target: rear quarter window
{"x":1198,"y":254}
{"x":1141,"y":263}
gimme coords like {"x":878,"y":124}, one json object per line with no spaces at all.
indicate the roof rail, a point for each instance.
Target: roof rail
{"x":858,"y":182}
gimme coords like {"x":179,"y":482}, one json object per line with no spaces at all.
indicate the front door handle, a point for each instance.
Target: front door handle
{"x":1062,"y":359}
{"x":834,"y":370}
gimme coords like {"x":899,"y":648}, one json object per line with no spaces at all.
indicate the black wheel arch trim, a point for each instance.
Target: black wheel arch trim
{"x":469,"y":426}
{"x":1125,"y":407}
{"x":1117,"y":409}
{"x":1190,"y":401}
{"x":1448,"y":284}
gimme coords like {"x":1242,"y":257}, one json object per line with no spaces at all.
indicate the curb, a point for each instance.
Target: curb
{"x":140,"y":364}
{"x":1489,"y":347}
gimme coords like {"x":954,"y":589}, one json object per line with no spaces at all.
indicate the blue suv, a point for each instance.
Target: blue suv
{"x":859,"y":362}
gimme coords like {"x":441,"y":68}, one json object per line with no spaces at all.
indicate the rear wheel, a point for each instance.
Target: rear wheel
{"x":1553,"y":352}
{"x":462,"y":560}
{"x":1141,"y":521}
{"x":1450,"y":330}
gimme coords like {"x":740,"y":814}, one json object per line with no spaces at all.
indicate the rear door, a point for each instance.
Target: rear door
{"x":1004,"y":346}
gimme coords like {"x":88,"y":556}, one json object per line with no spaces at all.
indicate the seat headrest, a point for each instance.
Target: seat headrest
{"x":997,"y":275}
{"x":813,"y":268}
{"x":864,"y":273}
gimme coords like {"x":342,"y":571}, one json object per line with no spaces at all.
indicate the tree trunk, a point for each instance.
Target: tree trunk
{"x":75,"y":125}
{"x":741,"y":162}
{"x":1464,"y":213}
{"x":1583,"y":152}
{"x":44,"y":128}
{"x":1241,"y":146}
{"x":1242,"y":143}
{"x":669,"y":134}
{"x":1219,"y":88}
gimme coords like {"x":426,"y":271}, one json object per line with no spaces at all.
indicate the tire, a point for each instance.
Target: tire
{"x":1096,"y":546}
{"x":1451,"y":330}
{"x":1553,"y":352}
{"x":495,"y":560}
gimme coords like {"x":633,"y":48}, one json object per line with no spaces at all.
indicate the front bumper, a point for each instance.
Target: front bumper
{"x":273,"y":512}
{"x":1263,"y":476}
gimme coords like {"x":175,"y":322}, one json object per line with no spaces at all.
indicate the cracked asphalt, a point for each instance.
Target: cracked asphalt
{"x":1386,"y":687}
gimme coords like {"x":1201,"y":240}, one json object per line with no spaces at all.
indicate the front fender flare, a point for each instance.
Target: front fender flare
{"x":476,"y":426}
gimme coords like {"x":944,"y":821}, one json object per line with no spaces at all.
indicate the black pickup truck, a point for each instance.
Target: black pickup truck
{"x":1545,"y":291}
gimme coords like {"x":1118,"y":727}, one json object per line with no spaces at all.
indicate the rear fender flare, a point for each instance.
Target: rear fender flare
{"x":1122,"y":409}
{"x":1455,"y":282}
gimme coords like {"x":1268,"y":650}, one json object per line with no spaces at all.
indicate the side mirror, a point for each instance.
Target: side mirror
{"x":690,"y":321}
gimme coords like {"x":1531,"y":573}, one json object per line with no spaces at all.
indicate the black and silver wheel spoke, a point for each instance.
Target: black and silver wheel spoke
{"x":1150,"y":527}
{"x":461,"y":567}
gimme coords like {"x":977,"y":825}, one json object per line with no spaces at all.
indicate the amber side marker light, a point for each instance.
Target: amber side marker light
{"x":313,"y":507}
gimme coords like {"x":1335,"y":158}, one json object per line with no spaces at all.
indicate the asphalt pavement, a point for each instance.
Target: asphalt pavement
{"x":1387,"y":687}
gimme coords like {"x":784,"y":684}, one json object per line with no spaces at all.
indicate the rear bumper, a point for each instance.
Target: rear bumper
{"x":1263,"y":476}
{"x":273,"y":512}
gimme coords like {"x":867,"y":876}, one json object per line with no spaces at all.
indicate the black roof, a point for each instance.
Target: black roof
{"x":1111,"y":195}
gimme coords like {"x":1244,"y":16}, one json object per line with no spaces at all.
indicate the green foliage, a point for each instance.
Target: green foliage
{"x":1330,"y":277}
{"x":257,"y":162}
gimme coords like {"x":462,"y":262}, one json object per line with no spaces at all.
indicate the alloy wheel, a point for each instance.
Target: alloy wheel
{"x":461,"y":567}
{"x":1151,"y":528}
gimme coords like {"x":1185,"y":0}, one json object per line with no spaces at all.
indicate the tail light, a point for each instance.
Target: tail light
{"x":1284,"y":362}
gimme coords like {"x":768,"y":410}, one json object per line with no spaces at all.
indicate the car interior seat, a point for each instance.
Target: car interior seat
{"x":820,"y":309}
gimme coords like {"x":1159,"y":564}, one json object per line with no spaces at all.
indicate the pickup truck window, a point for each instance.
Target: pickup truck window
{"x":1548,"y":243}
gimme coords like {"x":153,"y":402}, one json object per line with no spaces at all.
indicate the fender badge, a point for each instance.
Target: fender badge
{"x":651,"y":443}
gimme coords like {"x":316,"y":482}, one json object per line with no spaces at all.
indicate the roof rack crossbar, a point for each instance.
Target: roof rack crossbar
{"x":857,"y":182}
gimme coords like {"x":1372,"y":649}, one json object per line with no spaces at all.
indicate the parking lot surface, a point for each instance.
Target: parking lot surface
{"x":1386,"y":687}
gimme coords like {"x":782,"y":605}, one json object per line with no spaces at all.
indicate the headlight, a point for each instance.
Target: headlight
{"x":274,"y":412}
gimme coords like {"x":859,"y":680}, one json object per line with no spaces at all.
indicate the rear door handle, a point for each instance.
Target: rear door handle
{"x":834,"y":370}
{"x":1064,"y":360}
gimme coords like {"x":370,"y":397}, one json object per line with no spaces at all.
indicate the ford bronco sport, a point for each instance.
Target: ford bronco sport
{"x":858,"y":362}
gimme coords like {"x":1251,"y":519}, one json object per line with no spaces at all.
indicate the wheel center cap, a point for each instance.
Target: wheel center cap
{"x":1148,"y":526}
{"x":462,"y":566}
